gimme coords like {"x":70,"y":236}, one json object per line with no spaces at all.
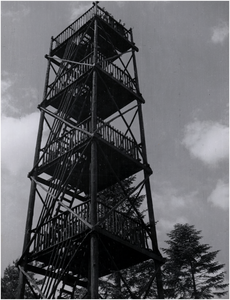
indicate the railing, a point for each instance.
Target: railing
{"x":76,"y":25}
{"x":116,"y":72}
{"x":123,"y":226}
{"x":118,"y":139}
{"x":72,"y":74}
{"x":67,"y":225}
{"x":61,"y":228}
{"x":76,"y":137}
{"x":104,"y":15}
{"x":65,"y":143}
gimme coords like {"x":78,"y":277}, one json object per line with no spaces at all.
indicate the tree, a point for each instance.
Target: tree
{"x":9,"y":283}
{"x":115,"y":193}
{"x":191,"y":270}
{"x":111,"y":286}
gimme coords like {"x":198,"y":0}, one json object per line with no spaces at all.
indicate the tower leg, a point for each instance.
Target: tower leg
{"x":93,"y":181}
{"x":30,"y":214}
{"x":150,"y":208}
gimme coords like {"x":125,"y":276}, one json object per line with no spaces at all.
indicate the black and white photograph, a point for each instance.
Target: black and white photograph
{"x":115,"y":149}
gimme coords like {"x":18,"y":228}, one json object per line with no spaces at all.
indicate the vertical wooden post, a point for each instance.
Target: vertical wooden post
{"x":93,"y":178}
{"x":147,"y":184}
{"x":30,"y":211}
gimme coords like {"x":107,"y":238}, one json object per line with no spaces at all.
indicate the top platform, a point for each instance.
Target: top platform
{"x":116,"y":30}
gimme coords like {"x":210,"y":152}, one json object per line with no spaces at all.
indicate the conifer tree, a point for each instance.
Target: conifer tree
{"x":9,"y":283}
{"x":191,"y":270}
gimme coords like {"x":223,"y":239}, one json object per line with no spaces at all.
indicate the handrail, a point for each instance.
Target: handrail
{"x":123,"y":226}
{"x":66,"y":225}
{"x":74,"y":138}
{"x":104,"y":15}
{"x":73,"y":27}
{"x":71,"y":75}
{"x":61,"y":227}
{"x":87,"y":16}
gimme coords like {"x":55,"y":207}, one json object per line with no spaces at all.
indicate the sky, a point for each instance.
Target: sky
{"x":183,"y":71}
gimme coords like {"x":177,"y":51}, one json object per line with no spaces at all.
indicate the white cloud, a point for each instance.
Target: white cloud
{"x":207,"y":141}
{"x":77,"y":11}
{"x":7,"y":83}
{"x":15,"y":99}
{"x":172,"y":205}
{"x":16,"y":15}
{"x":120,"y":4}
{"x":18,"y":138}
{"x":166,"y":225}
{"x":220,"y":195}
{"x":220,"y":33}
{"x":177,"y":202}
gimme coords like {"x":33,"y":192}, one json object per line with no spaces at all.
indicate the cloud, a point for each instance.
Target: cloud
{"x":166,"y":225}
{"x":171,"y":205}
{"x":220,"y":195}
{"x":18,"y":138}
{"x":120,"y":4}
{"x":220,"y":33}
{"x":78,"y":9}
{"x":207,"y":141}
{"x":16,"y":15}
{"x":16,"y":100}
{"x":177,"y":202}
{"x":7,"y":83}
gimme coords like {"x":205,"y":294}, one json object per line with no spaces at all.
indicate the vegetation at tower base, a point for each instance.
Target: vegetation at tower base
{"x":191,"y":270}
{"x":136,"y":277}
{"x":9,"y":283}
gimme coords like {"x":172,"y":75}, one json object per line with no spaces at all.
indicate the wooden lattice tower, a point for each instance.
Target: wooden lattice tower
{"x":91,"y":90}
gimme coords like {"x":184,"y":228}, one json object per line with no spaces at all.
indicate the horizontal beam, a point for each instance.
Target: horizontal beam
{"x":71,"y":194}
{"x":148,"y":253}
{"x":70,"y":280}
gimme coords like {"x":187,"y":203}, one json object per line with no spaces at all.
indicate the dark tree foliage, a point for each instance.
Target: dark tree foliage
{"x":139,"y":278}
{"x":9,"y":283}
{"x":114,"y":194}
{"x":141,"y":281}
{"x":191,"y":270}
{"x":111,"y":286}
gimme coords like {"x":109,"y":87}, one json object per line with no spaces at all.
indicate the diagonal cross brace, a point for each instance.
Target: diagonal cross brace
{"x":32,"y":281}
{"x":60,"y":202}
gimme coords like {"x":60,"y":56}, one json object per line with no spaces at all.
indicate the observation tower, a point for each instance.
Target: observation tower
{"x":90,"y":139}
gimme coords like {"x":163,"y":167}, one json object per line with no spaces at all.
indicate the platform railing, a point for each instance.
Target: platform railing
{"x":104,"y":15}
{"x":74,"y":138}
{"x":61,"y":228}
{"x":67,"y":225}
{"x":123,"y":226}
{"x":75,"y":26}
{"x":70,"y":75}
{"x":87,"y":16}
{"x":65,"y":143}
{"x":118,"y":139}
{"x":116,"y":72}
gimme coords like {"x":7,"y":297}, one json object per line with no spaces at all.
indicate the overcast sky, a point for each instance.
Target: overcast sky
{"x":183,"y":73}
